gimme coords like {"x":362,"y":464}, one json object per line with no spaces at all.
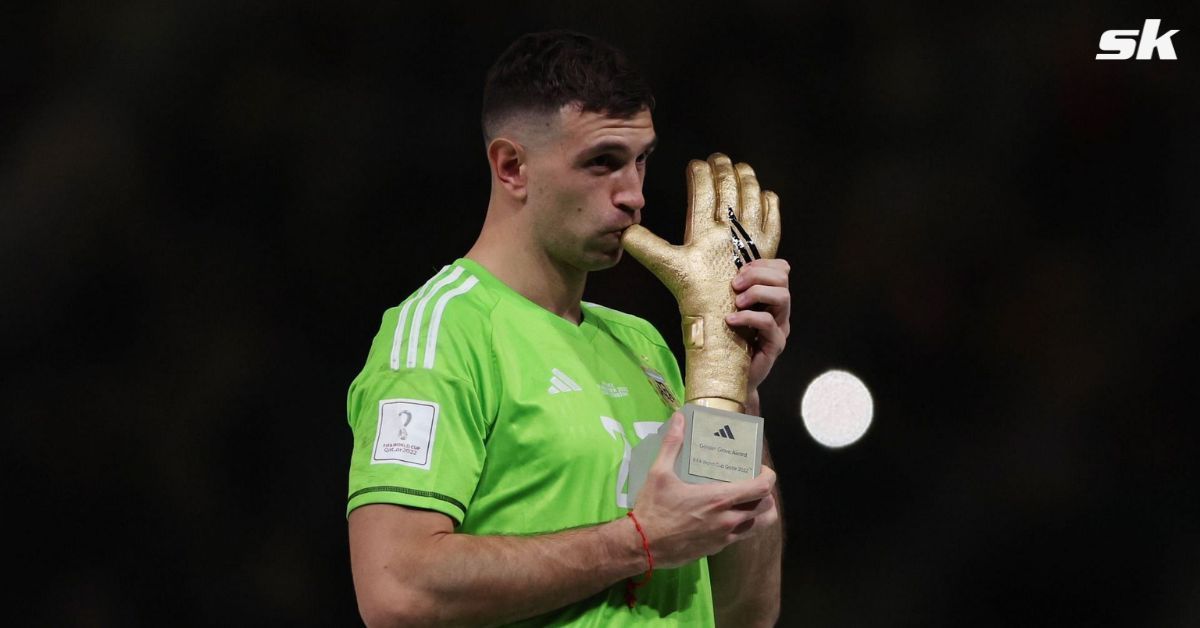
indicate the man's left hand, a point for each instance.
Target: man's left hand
{"x":764,"y":304}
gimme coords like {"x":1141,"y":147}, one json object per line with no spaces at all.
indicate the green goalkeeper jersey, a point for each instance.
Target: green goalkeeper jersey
{"x":482,"y":405}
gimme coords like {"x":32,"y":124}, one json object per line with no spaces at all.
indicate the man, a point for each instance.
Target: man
{"x":494,"y":418}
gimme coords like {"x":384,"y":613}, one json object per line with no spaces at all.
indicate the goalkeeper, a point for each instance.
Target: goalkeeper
{"x":494,"y":418}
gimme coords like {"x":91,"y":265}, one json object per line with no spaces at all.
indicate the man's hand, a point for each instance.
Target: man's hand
{"x":764,"y":304}
{"x":684,"y":522}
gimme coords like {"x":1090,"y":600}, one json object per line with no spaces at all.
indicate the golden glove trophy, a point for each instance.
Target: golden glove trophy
{"x":730,"y":223}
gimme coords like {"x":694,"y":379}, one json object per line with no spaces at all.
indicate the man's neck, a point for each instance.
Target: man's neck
{"x":534,"y":275}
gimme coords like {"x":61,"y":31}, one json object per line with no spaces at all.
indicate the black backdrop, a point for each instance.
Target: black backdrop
{"x":206,"y":207}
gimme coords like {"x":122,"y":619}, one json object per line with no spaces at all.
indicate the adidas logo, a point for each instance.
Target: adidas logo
{"x":724,"y":432}
{"x":560,"y":383}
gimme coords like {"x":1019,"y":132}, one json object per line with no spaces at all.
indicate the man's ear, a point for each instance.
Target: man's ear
{"x":507,"y":160}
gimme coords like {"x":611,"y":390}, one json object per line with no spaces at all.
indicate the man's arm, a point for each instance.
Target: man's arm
{"x":746,"y":576}
{"x":411,"y":569}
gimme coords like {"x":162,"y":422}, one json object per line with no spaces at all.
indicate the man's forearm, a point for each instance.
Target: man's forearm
{"x":746,"y":576}
{"x":487,"y":580}
{"x":746,"y":580}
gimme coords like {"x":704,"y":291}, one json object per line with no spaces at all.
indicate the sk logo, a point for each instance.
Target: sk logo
{"x":1120,"y":44}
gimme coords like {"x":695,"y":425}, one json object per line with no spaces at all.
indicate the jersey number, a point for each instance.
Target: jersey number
{"x":615,"y":429}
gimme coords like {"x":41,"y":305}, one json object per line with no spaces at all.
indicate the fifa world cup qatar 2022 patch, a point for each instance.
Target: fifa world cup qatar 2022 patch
{"x":405,"y":433}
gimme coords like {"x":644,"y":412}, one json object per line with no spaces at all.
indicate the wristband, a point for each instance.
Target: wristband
{"x":630,"y":586}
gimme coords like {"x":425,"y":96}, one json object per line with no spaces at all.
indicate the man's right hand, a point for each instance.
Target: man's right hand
{"x":685,"y":521}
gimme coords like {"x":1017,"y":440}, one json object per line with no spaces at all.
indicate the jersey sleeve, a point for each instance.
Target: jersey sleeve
{"x":420,"y":432}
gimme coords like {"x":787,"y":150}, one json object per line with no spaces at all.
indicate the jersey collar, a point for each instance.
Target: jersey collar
{"x":586,"y":328}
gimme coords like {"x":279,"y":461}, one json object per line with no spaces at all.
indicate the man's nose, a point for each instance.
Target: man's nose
{"x":628,"y":194}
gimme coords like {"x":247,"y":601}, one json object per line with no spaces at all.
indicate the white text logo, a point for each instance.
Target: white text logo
{"x":1121,"y":44}
{"x":613,"y":390}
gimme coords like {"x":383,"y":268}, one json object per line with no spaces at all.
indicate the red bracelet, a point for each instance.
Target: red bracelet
{"x":630,"y":585}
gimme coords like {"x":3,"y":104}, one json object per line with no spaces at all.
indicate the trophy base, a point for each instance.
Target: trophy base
{"x":718,"y":446}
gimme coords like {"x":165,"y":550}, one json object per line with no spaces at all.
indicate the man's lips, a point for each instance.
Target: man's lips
{"x":621,"y":230}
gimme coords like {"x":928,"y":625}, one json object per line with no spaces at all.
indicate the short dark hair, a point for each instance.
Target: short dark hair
{"x":541,"y":72}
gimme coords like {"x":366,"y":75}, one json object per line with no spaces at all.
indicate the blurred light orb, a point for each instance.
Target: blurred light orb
{"x":837,"y":408}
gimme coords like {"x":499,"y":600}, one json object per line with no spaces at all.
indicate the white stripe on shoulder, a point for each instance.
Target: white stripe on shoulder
{"x":420,"y":313}
{"x":398,"y":336}
{"x":432,"y":336}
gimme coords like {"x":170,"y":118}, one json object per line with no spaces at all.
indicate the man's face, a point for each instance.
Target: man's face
{"x":585,"y":185}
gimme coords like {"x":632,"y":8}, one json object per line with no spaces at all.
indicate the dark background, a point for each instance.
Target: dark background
{"x":206,"y":207}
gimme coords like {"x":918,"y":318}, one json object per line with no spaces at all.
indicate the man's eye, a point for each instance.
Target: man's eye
{"x":603,"y":161}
